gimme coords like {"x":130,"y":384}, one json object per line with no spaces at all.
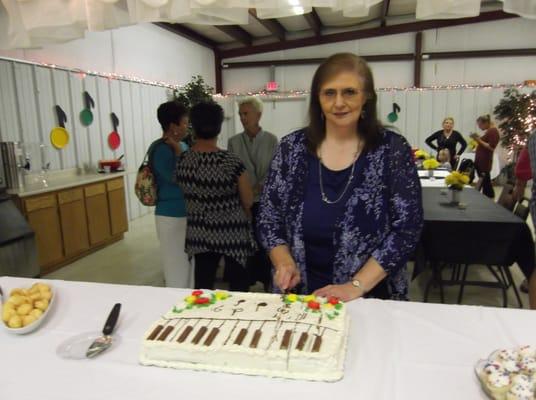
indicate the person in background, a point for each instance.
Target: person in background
{"x":444,"y":158}
{"x":170,"y":213}
{"x":525,"y":171}
{"x":448,"y":138}
{"x":484,"y":152}
{"x":256,"y":148}
{"x":218,"y":200}
{"x":341,"y":211}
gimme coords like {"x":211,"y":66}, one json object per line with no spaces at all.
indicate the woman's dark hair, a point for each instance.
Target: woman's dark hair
{"x":170,"y":112}
{"x":206,"y":119}
{"x":368,"y":125}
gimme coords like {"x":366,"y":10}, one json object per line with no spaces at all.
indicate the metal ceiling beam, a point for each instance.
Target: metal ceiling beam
{"x":272,"y":25}
{"x":365,"y":33}
{"x":385,"y":11}
{"x":417,"y":62}
{"x":314,"y":22}
{"x":448,"y":55}
{"x":308,"y":61}
{"x":187,"y":33}
{"x":237,"y":33}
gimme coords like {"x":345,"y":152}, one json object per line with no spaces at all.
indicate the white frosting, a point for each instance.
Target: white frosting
{"x":527,"y":351}
{"x":510,"y":366}
{"x":499,"y":379}
{"x":528,"y":364}
{"x":252,"y":311}
{"x":507,"y":354}
{"x":520,"y":392}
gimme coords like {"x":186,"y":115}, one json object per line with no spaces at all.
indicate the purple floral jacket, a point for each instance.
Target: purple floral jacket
{"x":383,"y":216}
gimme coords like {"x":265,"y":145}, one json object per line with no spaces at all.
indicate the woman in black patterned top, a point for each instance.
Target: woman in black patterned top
{"x":218,"y":203}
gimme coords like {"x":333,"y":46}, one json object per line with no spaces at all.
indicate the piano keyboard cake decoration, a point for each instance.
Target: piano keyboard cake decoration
{"x":290,"y":336}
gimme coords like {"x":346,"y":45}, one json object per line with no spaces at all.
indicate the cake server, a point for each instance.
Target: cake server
{"x":103,"y":342}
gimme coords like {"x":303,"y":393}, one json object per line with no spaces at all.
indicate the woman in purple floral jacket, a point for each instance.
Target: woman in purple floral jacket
{"x":341,"y":209}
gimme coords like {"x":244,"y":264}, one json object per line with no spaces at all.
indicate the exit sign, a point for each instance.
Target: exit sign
{"x":271,"y":86}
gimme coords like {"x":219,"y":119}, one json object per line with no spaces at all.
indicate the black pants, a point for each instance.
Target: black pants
{"x":487,"y":187}
{"x":259,"y":265}
{"x":206,"y":265}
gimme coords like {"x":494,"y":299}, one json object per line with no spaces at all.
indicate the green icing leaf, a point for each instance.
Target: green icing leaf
{"x":338,"y":306}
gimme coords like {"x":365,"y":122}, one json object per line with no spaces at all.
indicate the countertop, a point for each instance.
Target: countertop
{"x":63,"y":182}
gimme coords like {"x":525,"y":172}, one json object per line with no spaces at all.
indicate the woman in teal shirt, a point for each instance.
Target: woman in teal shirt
{"x":170,"y":213}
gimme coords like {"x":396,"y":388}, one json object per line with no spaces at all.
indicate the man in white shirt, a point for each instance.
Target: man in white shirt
{"x":256,"y":148}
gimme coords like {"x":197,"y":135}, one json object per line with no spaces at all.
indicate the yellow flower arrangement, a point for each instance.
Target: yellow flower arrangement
{"x":472,"y":144}
{"x":431,"y":163}
{"x":421,"y":154}
{"x":456,"y":180}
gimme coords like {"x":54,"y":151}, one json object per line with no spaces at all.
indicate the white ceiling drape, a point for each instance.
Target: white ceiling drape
{"x":34,"y":23}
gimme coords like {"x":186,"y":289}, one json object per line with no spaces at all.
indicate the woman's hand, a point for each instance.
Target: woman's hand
{"x":174,"y":145}
{"x":344,"y":292}
{"x":286,"y":276}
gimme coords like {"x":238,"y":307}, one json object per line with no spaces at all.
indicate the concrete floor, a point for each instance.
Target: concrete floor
{"x":136,"y":261}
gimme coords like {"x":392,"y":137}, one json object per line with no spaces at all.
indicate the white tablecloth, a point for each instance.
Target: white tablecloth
{"x":438,"y":173}
{"x":396,"y":350}
{"x":438,"y":183}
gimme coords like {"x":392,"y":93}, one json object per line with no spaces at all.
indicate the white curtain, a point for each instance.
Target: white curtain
{"x":34,"y":23}
{"x":523,"y":8}
{"x":443,"y":9}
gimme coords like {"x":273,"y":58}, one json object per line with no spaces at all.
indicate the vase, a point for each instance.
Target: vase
{"x":455,"y":196}
{"x":431,"y":173}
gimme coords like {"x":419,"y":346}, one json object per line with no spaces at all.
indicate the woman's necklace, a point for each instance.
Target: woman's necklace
{"x":322,"y":193}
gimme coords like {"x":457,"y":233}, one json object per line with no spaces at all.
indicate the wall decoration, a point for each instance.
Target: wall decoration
{"x":114,"y":140}
{"x":393,"y":116}
{"x":59,"y":136}
{"x":86,"y":115}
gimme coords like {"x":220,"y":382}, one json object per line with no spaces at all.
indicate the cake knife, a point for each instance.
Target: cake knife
{"x":103,"y":342}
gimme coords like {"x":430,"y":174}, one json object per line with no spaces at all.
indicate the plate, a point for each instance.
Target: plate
{"x":59,"y":137}
{"x":34,"y":325}
{"x":114,"y":140}
{"x":479,"y":370}
{"x":75,"y":348}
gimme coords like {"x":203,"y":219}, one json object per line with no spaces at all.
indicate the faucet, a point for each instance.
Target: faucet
{"x":43,"y":174}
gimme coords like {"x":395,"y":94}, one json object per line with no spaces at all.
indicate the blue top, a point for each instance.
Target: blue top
{"x":320,"y":220}
{"x":382,"y":216}
{"x":170,"y":199}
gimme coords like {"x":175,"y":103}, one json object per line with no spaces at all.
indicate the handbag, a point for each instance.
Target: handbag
{"x":145,"y":187}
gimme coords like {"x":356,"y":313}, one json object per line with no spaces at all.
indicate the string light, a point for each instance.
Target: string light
{"x":111,"y":76}
{"x":305,"y":93}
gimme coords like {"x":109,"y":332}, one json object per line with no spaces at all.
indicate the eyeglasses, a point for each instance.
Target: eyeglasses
{"x":347,"y":94}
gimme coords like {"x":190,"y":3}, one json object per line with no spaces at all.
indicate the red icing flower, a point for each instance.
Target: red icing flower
{"x":313,"y":305}
{"x":202,"y":300}
{"x":197,"y":293}
{"x":333,"y":300}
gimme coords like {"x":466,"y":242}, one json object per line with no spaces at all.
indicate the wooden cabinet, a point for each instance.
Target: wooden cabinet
{"x":73,"y":221}
{"x":117,"y":206}
{"x":42,"y":214}
{"x":98,"y":215}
